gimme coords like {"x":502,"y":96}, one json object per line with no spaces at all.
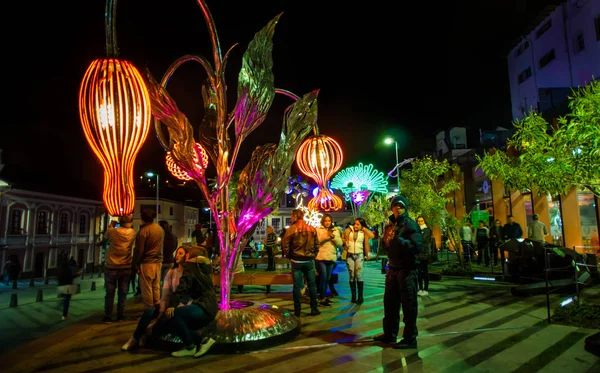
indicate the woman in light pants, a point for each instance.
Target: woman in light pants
{"x":356,"y":242}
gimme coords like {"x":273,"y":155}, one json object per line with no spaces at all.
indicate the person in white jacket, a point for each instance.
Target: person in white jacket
{"x":329,"y":239}
{"x":356,"y":239}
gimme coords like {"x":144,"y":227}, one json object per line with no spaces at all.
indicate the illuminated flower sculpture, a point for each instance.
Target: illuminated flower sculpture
{"x":319,"y":157}
{"x":311,"y":217}
{"x":114,"y":108}
{"x":359,"y":184}
{"x":221,"y":133}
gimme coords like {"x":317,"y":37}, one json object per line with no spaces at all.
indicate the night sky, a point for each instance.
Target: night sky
{"x":405,"y":69}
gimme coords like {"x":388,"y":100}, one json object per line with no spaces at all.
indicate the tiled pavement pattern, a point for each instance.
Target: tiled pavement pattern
{"x":465,"y":326}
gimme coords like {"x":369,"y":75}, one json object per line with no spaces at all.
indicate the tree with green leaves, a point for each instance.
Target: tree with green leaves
{"x":377,"y":211}
{"x":427,"y":190}
{"x":553,"y":159}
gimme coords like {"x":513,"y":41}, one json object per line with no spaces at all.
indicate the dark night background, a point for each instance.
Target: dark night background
{"x":405,"y":69}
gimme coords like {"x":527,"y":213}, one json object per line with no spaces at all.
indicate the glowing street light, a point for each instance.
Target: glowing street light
{"x":209,"y":217}
{"x":390,"y":141}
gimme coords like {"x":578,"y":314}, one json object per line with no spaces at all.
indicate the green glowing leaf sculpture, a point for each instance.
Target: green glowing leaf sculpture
{"x":256,"y":88}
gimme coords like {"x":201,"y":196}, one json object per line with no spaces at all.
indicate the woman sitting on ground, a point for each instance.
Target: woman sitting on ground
{"x":194,"y":305}
{"x":170,"y":283}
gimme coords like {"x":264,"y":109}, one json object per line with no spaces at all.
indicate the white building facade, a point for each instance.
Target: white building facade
{"x":35,"y":226}
{"x":181,"y":218}
{"x":562,"y":51}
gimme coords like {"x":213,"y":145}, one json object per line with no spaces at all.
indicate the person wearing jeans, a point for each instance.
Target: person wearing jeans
{"x":196,"y":304}
{"x":118,"y":265}
{"x":329,"y":239}
{"x":148,"y":256}
{"x":66,"y":275}
{"x":170,"y":283}
{"x":300,"y":244}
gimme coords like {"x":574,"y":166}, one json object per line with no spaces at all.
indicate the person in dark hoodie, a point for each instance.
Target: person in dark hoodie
{"x":403,"y":240}
{"x":65,"y":276}
{"x":196,"y":304}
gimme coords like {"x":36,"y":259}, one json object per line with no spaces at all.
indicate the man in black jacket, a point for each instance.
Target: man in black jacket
{"x":403,"y":239}
{"x":196,"y":305}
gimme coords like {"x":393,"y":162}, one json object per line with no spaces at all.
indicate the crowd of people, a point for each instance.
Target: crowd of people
{"x":408,"y":247}
{"x":187,"y":301}
{"x":484,"y":244}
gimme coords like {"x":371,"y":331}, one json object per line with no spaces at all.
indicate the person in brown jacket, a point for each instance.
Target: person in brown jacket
{"x":118,"y":265}
{"x":301,"y":245}
{"x":147,"y":257}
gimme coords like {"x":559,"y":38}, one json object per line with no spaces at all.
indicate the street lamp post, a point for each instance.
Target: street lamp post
{"x":388,"y":141}
{"x":209,"y":217}
{"x":152,"y":174}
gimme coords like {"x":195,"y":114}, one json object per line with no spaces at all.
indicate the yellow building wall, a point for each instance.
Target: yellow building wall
{"x":540,"y":207}
{"x":436,"y":232}
{"x":570,"y":218}
{"x":500,"y":210}
{"x":518,"y":209}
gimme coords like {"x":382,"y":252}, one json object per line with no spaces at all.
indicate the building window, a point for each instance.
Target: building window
{"x":63,"y":223}
{"x":42,"y":223}
{"x":524,"y":75}
{"x":528,"y":202}
{"x":579,"y":44}
{"x":547,"y":58}
{"x":587,"y":221}
{"x":288,"y":222}
{"x":556,"y":225}
{"x":276,"y":224}
{"x":16,"y":222}
{"x":261,"y":227}
{"x":597,"y":26}
{"x":171,"y":210}
{"x":83,"y":224}
{"x":543,"y":29}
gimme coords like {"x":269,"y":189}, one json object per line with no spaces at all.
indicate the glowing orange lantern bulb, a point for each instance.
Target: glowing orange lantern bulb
{"x":200,"y":163}
{"x":115,"y":113}
{"x":319,"y":157}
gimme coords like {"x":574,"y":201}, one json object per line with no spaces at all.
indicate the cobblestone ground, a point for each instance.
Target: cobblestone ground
{"x":464,"y":326}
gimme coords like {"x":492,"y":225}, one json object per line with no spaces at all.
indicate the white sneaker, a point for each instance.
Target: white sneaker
{"x":205,"y":346}
{"x":425,"y":293}
{"x":130,"y":344}
{"x":420,"y":293}
{"x":65,"y":318}
{"x":184,"y":352}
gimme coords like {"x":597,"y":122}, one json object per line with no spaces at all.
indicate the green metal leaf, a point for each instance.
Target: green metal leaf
{"x":256,"y":88}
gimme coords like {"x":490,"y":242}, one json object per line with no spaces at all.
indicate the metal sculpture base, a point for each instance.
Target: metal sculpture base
{"x":249,"y":326}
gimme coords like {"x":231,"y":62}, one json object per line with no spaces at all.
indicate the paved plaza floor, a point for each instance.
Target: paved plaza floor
{"x":464,"y":326}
